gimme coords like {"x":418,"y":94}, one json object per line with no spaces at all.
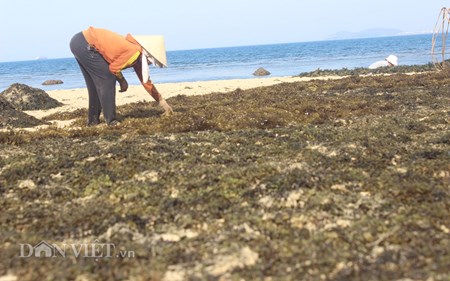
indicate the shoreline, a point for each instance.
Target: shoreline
{"x":74,"y":99}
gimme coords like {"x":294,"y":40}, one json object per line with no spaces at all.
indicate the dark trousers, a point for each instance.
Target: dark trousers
{"x":100,"y":82}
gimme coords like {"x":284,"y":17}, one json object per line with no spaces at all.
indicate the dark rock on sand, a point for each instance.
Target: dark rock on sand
{"x":261,"y":72}
{"x":10,"y":117}
{"x":52,"y":82}
{"x":23,"y":97}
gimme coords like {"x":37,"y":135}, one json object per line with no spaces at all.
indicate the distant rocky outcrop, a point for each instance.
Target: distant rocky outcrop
{"x":261,"y":72}
{"x":367,"y":33}
{"x":52,"y":82}
{"x":23,"y":97}
{"x":13,"y":118}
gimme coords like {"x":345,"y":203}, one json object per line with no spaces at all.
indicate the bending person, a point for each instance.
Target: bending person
{"x":388,"y":62}
{"x":103,"y":54}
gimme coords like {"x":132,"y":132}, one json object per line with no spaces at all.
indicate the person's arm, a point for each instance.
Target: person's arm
{"x":122,"y":82}
{"x":151,"y":89}
{"x":122,"y":63}
{"x":378,"y":64}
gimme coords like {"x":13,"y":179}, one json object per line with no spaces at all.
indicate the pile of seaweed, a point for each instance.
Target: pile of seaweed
{"x":24,"y":97}
{"x":323,"y":180}
{"x":402,"y":69}
{"x":12,"y":118}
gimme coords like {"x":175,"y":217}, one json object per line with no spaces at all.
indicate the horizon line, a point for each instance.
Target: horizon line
{"x":44,"y":58}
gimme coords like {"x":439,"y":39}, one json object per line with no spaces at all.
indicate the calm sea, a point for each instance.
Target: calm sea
{"x":236,"y":62}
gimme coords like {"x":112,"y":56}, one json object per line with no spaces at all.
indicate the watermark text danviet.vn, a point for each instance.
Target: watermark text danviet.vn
{"x":93,"y":250}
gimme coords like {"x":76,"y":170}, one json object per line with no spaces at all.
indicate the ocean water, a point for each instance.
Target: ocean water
{"x":236,"y":62}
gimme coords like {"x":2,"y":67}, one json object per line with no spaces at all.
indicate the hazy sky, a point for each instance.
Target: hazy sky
{"x":34,"y":28}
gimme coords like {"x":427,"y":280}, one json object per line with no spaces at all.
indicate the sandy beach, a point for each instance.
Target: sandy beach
{"x":78,"y":98}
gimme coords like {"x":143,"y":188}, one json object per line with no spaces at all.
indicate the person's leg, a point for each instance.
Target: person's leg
{"x":81,"y":50}
{"x":95,"y":107}
{"x":105,"y":84}
{"x":98,"y":70}
{"x":106,"y":89}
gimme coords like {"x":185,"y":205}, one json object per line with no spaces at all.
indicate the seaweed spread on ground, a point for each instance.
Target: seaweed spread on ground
{"x":23,"y":97}
{"x":12,"y":118}
{"x":401,"y":69}
{"x":323,"y":180}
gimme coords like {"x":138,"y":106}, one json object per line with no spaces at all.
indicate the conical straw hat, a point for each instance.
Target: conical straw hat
{"x":154,"y":45}
{"x":392,"y":60}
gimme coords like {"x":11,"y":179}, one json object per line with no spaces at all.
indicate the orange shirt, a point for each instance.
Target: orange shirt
{"x":120,"y":52}
{"x":114,"y":48}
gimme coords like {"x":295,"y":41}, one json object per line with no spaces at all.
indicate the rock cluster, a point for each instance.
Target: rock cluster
{"x":261,"y":72}
{"x":52,"y":82}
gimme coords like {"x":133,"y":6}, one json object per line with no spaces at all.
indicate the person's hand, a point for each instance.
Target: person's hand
{"x":123,"y":85}
{"x":167,"y":109}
